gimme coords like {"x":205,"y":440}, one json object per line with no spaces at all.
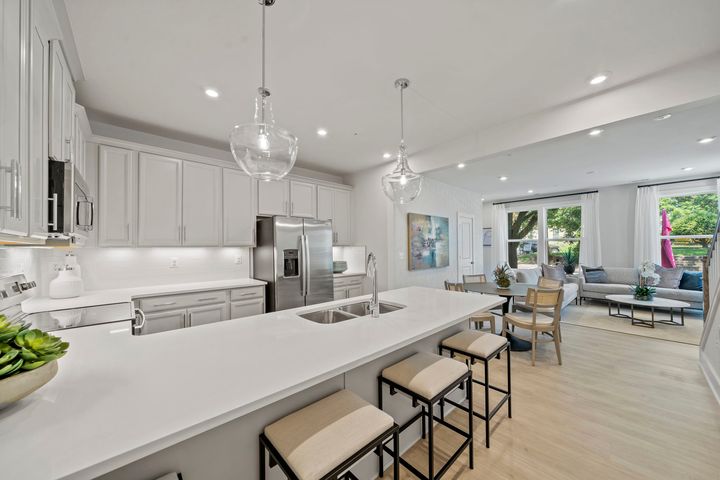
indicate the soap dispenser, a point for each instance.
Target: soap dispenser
{"x":67,"y":284}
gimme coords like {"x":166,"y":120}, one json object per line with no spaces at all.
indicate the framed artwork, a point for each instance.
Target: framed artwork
{"x":428,"y":241}
{"x":487,"y":237}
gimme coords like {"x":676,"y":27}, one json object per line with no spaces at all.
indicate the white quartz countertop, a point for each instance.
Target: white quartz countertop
{"x":118,"y":398}
{"x":119,"y":295}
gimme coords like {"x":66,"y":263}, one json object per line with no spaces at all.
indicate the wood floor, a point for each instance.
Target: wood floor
{"x":620,"y":407}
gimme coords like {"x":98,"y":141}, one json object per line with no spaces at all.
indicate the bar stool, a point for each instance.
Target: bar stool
{"x":428,"y":378}
{"x":480,"y":346}
{"x":323,"y":440}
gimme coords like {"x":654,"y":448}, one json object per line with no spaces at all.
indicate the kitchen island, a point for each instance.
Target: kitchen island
{"x":195,"y":399}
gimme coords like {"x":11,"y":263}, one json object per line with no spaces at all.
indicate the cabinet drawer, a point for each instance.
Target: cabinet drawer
{"x":347,"y":281}
{"x":247,"y":293}
{"x":168,"y":302}
{"x":247,"y":308}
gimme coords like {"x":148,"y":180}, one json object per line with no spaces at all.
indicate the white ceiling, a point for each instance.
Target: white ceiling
{"x":332,"y":63}
{"x":635,"y":150}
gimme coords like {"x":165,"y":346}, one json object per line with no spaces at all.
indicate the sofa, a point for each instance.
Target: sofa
{"x":620,"y":281}
{"x":531,"y":275}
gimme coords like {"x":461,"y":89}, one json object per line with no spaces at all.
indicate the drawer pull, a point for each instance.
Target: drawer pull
{"x":163,"y":304}
{"x":248,"y":294}
{"x":208,"y":299}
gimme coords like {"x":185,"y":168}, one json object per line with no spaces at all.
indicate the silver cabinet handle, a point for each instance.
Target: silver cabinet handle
{"x":180,"y":233}
{"x":189,"y":320}
{"x":127,"y":230}
{"x":285,"y":207}
{"x":247,"y":294}
{"x":68,"y":142}
{"x":207,"y":299}
{"x":163,"y":304}
{"x":292,"y":208}
{"x":14,"y":186}
{"x":185,"y":320}
{"x":54,"y":200}
{"x":184,"y":233}
{"x":137,"y":328}
{"x":18,"y":190}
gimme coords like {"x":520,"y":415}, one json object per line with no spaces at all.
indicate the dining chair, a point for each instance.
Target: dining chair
{"x":533,"y":317}
{"x":544,"y":282}
{"x":475,"y":278}
{"x":454,"y":287}
{"x":478,"y":319}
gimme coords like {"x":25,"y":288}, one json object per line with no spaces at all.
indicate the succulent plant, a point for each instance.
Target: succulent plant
{"x":10,"y":329}
{"x":10,"y":360}
{"x":38,"y":348}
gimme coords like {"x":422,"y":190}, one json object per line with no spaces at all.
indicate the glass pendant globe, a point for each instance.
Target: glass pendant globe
{"x":402,"y":185}
{"x":263,"y":150}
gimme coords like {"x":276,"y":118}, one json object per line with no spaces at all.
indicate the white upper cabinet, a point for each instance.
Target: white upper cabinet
{"x":273,"y":198}
{"x":202,"y":204}
{"x":334,"y":204}
{"x":303,"y":199}
{"x":159,"y":201}
{"x":238,"y":208}
{"x":62,"y":103}
{"x":13,"y":148}
{"x":117,"y":195}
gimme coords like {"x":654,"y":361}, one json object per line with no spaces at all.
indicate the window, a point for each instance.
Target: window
{"x":563,"y":233}
{"x":693,"y":219}
{"x":523,"y":239}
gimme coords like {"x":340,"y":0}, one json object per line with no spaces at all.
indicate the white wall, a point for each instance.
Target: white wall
{"x":382,"y":227}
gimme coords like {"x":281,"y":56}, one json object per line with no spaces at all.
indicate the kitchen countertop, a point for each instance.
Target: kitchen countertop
{"x":120,"y":295}
{"x":118,"y":398}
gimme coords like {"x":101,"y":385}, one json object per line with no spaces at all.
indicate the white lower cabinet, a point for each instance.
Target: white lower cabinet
{"x":164,"y":321}
{"x":207,"y":314}
{"x":347,"y":287}
{"x":247,"y":308}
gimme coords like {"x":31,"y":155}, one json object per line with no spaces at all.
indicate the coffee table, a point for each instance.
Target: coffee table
{"x":514,"y":290}
{"x":663,"y":303}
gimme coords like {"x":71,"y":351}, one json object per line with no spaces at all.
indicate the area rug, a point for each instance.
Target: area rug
{"x":595,"y":315}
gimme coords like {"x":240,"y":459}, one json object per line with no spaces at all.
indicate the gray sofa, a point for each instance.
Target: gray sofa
{"x":531,"y":275}
{"x":620,"y":281}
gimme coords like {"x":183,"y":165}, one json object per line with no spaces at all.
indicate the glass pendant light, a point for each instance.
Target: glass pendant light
{"x":402,"y":185}
{"x":263,"y":150}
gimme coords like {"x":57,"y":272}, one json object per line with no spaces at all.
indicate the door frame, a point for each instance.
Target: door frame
{"x":472,"y":240}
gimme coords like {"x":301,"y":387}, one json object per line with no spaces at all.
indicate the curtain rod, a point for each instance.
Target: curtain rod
{"x":530,"y":199}
{"x":678,"y":181}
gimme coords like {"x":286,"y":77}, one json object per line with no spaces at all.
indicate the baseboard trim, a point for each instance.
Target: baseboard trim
{"x":711,"y":375}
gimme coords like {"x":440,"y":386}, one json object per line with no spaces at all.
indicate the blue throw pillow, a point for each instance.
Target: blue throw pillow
{"x":691,"y":281}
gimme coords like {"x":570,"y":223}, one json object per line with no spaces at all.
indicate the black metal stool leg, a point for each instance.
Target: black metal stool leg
{"x":379,"y":453}
{"x":396,"y":455}
{"x":431,"y":448}
{"x":487,"y":404}
{"x":261,"y":459}
{"x":422,"y":421}
{"x":509,"y":389}
{"x":471,"y":449}
{"x":442,"y":409}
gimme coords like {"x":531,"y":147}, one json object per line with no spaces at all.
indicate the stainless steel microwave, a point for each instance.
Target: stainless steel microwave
{"x":71,"y":213}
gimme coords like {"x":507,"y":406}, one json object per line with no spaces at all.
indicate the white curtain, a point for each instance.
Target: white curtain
{"x":499,"y":236}
{"x":647,"y":225}
{"x":590,"y":230}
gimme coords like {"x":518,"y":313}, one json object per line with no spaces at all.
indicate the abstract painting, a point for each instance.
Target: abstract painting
{"x":428,"y":241}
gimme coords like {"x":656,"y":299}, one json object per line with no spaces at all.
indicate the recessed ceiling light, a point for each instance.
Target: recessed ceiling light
{"x":461,"y":165}
{"x":321,"y":132}
{"x":212,"y":93}
{"x":530,"y":191}
{"x":595,"y":132}
{"x":386,"y":155}
{"x":706,"y":140}
{"x":663,"y":117}
{"x":686,"y":169}
{"x":482,"y":199}
{"x":502,"y":178}
{"x":599,"y":78}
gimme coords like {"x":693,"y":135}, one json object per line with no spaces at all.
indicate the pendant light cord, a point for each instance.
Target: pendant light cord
{"x":263,"y":91}
{"x":402,"y":117}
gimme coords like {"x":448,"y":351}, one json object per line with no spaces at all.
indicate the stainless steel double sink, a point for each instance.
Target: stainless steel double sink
{"x":347,"y":312}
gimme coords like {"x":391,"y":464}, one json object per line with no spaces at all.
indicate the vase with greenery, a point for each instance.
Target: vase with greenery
{"x":645,"y":290}
{"x":570,"y":257}
{"x":502,"y":275}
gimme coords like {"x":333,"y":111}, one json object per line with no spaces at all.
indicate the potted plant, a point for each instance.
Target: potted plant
{"x":502,"y":275}
{"x":644,"y":290}
{"x":28,"y":359}
{"x":570,"y":257}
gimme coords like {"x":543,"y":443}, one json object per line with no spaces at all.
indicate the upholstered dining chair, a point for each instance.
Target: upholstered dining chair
{"x":533,"y":318}
{"x":479,"y":319}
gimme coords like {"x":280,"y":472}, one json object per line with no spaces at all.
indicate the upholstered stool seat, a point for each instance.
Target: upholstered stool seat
{"x":314,"y":441}
{"x":427,"y":379}
{"x":480,"y":346}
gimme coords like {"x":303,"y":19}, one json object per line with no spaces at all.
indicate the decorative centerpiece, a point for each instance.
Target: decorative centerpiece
{"x":27,"y":359}
{"x":645,"y":290}
{"x":570,"y":257}
{"x":502,"y":275}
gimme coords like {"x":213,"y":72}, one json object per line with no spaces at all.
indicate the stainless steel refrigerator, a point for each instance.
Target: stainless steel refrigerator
{"x":294,"y":255}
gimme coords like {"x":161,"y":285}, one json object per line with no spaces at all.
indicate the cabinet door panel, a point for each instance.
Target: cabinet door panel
{"x":247,"y":308}
{"x":273,"y":198}
{"x":159,"y":201}
{"x":354,"y":291}
{"x":57,"y":74}
{"x":238,"y":208}
{"x":303,"y":198}
{"x":202,"y":194}
{"x":204,"y":315}
{"x":116,"y":197}
{"x":164,"y":321}
{"x":68,"y":117}
{"x":341,"y":217}
{"x":324,"y":204}
{"x":340,"y":293}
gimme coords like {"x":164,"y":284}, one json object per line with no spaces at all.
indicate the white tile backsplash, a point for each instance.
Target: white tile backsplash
{"x":353,"y":255}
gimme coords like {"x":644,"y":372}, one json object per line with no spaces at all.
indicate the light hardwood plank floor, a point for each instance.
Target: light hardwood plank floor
{"x":620,"y":407}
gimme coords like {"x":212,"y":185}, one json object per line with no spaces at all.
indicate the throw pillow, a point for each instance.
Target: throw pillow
{"x":595,"y":274}
{"x":669,"y":277}
{"x":691,"y":281}
{"x":526,"y":275}
{"x":554,"y":272}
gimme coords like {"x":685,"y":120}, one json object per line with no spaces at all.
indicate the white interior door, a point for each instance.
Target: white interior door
{"x":202,"y":204}
{"x":466,"y":245}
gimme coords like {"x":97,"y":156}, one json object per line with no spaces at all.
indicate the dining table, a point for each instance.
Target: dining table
{"x":517,"y":344}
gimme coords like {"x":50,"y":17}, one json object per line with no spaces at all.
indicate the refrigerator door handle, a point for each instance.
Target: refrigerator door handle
{"x":306,"y":264}
{"x":303,"y":266}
